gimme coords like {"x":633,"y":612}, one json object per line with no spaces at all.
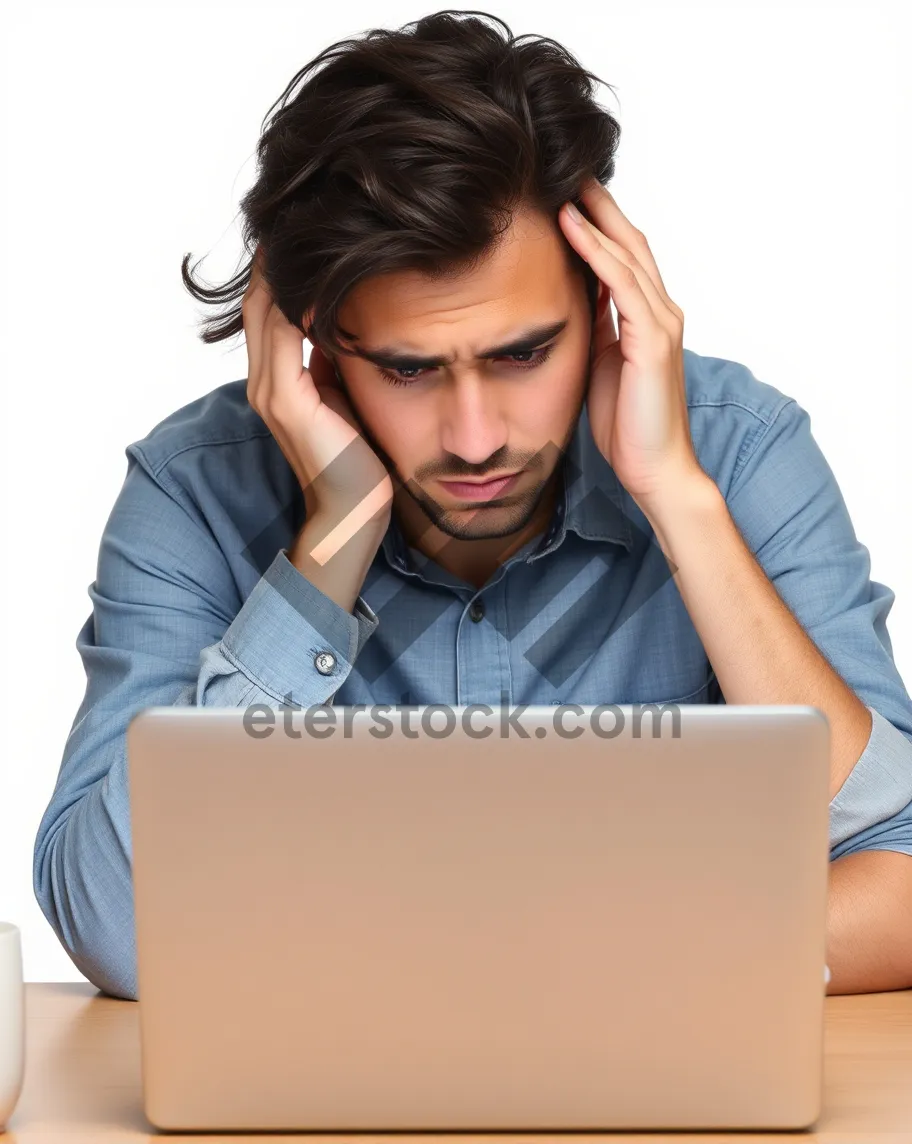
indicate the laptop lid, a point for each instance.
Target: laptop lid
{"x":418,"y":920}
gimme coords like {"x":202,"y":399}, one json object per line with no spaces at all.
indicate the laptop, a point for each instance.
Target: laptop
{"x":436,"y":918}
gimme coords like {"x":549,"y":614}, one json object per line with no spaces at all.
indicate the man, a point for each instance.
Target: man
{"x":479,"y":490}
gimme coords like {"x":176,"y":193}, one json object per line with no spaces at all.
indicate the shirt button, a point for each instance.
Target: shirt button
{"x":324,"y":662}
{"x":476,"y":611}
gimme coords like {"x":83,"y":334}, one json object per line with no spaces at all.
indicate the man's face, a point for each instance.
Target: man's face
{"x":473,"y":417}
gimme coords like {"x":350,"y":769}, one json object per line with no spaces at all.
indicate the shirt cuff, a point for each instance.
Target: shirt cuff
{"x":284,"y":625}
{"x":878,"y":786}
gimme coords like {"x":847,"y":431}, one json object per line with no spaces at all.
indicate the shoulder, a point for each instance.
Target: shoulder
{"x":218,"y":461}
{"x":719,"y":383}
{"x":223,"y":416}
{"x":732,"y":412}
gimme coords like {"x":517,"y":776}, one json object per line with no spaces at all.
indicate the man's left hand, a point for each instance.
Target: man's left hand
{"x":636,"y":399}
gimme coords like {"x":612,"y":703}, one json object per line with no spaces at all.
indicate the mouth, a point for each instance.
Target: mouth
{"x":481,"y":490}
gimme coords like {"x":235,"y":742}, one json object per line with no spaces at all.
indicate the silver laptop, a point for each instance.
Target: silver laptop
{"x":457,"y":918}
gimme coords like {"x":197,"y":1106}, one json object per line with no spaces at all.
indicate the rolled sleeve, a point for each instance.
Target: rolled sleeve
{"x":788,"y":507}
{"x":893,"y":833}
{"x":879,"y":786}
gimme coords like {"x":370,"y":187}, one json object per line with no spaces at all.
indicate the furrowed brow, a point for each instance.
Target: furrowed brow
{"x":393,"y":358}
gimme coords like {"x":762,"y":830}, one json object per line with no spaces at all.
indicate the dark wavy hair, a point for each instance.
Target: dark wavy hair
{"x":411,"y":149}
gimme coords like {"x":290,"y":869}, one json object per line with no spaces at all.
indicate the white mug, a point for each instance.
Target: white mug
{"x":12,"y":1020}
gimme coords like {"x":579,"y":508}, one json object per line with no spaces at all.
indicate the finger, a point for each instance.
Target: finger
{"x":622,"y":254}
{"x":604,"y":333}
{"x":614,"y":224}
{"x":255,"y":306}
{"x":627,"y":290}
{"x":286,"y":347}
{"x":289,"y":382}
{"x":630,"y":260}
{"x":263,"y":383}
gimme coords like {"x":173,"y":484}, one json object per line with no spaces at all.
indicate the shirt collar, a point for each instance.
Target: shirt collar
{"x":593,"y":496}
{"x":590,"y":502}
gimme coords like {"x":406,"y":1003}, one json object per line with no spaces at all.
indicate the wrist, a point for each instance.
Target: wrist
{"x":326,"y":536}
{"x":684,"y":506}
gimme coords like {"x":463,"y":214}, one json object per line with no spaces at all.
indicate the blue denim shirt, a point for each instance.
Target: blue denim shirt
{"x":195,"y":602}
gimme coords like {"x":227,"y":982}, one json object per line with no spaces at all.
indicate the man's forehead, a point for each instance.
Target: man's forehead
{"x":509,"y":287}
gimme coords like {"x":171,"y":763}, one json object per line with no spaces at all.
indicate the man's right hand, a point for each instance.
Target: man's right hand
{"x":311,"y":418}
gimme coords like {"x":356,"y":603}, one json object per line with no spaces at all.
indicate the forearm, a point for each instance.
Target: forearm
{"x":82,"y":871}
{"x":758,"y":650}
{"x":869,"y":922}
{"x":82,"y":866}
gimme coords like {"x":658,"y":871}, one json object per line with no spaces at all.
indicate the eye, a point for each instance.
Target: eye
{"x":533,"y":358}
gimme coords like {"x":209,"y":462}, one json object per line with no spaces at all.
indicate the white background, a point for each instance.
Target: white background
{"x":763,"y":153}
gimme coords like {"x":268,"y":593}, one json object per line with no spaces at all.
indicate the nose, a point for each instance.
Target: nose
{"x":472,"y":424}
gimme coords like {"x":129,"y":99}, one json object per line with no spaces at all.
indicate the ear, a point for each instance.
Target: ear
{"x":604,"y":297}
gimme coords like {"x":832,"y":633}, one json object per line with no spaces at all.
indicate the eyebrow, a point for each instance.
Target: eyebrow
{"x":393,"y":358}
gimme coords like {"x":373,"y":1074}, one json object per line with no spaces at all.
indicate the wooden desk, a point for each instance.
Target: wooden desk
{"x":83,"y":1086}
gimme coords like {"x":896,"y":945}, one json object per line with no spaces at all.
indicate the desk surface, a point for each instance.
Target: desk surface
{"x":83,"y":1083}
